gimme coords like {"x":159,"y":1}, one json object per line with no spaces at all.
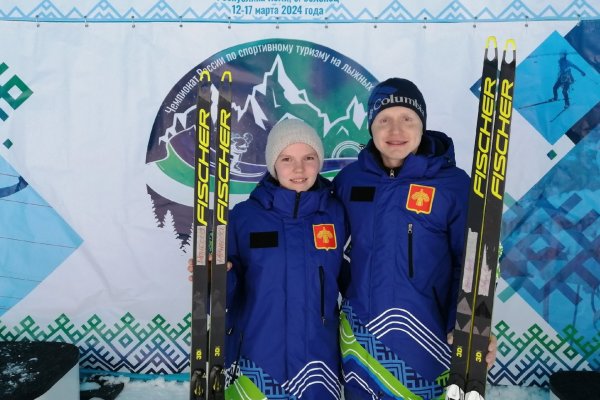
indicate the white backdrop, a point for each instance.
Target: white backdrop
{"x":88,"y":256}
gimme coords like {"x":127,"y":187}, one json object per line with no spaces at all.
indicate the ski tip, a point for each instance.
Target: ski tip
{"x":510,"y":43}
{"x":226,"y":75}
{"x":205,"y":74}
{"x":491,"y":44}
{"x":510,"y":51}
{"x":491,"y":39}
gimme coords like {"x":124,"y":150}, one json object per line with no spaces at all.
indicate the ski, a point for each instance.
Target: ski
{"x":209,"y":239}
{"x":537,"y":104}
{"x":218,"y":278}
{"x":200,"y":240}
{"x":559,"y":114}
{"x":468,"y":369}
{"x":485,"y":117}
{"x":490,"y":227}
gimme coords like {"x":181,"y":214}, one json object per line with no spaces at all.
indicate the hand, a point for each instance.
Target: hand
{"x":490,"y":357}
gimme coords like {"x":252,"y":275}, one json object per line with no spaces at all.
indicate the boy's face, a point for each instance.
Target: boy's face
{"x":297,"y":167}
{"x":397,"y":132}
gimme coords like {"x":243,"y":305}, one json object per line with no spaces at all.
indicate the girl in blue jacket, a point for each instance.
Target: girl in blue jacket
{"x":285,"y":246}
{"x":406,"y":204}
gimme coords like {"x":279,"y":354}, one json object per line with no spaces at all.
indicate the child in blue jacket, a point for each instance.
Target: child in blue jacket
{"x":285,"y":247}
{"x":406,"y":202}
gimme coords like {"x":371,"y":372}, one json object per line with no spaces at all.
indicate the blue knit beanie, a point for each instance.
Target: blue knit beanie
{"x":396,"y":92}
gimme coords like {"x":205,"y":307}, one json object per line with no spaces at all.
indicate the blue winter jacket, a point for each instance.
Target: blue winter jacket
{"x":286,"y":249}
{"x":407,"y":236}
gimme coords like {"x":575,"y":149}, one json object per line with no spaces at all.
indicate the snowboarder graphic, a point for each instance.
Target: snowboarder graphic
{"x":239,"y":146}
{"x":565,"y":78}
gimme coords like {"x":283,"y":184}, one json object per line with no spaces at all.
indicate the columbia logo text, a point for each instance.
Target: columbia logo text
{"x":399,"y":100}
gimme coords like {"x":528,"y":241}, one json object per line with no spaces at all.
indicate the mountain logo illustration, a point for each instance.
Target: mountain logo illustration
{"x":273,"y":80}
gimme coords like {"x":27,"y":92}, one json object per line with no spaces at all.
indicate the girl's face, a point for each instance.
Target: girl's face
{"x":297,"y":167}
{"x":397,"y":132}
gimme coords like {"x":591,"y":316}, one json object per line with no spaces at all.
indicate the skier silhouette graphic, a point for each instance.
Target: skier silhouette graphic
{"x":565,"y":78}
{"x":239,"y":146}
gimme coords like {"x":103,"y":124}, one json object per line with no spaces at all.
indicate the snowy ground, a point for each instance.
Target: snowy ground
{"x":515,"y":392}
{"x":159,"y":389}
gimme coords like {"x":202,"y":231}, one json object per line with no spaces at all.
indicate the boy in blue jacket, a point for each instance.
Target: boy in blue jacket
{"x":285,"y":247}
{"x":406,"y":203}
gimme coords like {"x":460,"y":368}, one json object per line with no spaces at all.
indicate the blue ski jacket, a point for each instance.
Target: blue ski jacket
{"x":286,"y":249}
{"x":407,"y":237}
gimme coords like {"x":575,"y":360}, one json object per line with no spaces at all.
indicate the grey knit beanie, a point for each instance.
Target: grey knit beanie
{"x":287,"y":132}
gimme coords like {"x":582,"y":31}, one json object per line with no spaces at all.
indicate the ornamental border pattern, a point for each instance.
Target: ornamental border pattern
{"x":321,"y":11}
{"x":138,"y":347}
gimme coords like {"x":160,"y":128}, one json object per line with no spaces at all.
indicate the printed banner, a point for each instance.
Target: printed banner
{"x":296,"y":11}
{"x":97,"y":124}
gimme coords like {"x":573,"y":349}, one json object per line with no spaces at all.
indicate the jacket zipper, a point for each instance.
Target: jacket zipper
{"x":411,"y":271}
{"x":322,"y":280}
{"x":392,"y":173}
{"x":297,"y":204}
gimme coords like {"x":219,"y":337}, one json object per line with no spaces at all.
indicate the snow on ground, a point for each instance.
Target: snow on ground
{"x":160,"y":389}
{"x":155,"y":389}
{"x":516,"y":393}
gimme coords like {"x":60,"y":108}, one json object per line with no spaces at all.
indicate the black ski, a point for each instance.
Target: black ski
{"x":479,"y":176}
{"x":537,"y":104}
{"x":218,"y":279}
{"x":558,"y":115}
{"x":200,"y":240}
{"x":209,"y":238}
{"x":468,"y":370}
